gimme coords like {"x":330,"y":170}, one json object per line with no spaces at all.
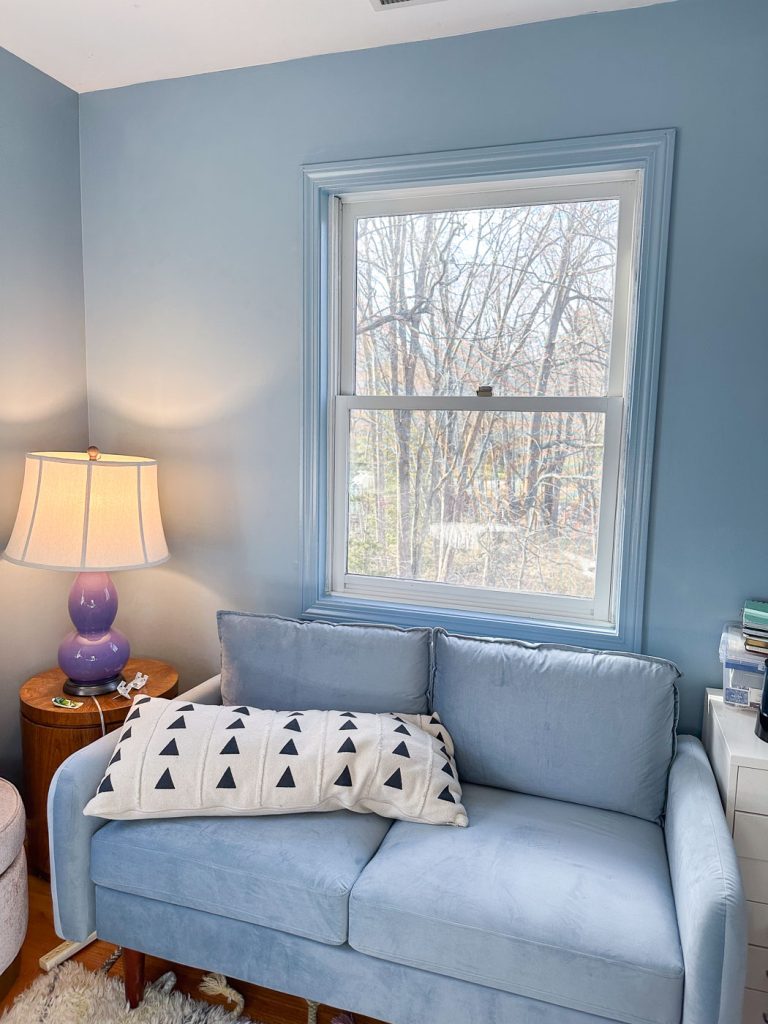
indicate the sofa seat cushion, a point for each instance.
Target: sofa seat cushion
{"x":558,"y":902}
{"x":292,"y":873}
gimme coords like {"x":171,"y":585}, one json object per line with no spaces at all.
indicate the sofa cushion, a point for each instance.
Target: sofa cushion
{"x":286,"y":665}
{"x":175,"y":759}
{"x":292,"y":873}
{"x":592,"y":727}
{"x":566,"y":904}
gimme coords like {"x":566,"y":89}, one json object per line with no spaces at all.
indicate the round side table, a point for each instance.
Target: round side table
{"x":49,"y":734}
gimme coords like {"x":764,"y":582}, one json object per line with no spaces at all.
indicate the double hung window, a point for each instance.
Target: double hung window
{"x":484,"y":447}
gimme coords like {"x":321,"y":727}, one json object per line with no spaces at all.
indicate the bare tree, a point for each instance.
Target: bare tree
{"x":520,"y":298}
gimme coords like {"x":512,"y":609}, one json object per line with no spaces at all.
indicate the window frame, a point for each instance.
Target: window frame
{"x":638,"y":165}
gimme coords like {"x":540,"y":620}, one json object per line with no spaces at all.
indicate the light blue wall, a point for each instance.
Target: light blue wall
{"x":192,"y":221}
{"x":42,"y":351}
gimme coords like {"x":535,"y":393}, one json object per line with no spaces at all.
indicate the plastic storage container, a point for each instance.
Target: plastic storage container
{"x":743,"y":672}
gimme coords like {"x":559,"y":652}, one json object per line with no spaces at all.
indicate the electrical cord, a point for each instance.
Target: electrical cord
{"x":101,"y":716}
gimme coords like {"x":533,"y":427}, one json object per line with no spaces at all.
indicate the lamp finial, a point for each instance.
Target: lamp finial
{"x":93,"y":453}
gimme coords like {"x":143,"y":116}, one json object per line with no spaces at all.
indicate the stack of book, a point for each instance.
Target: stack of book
{"x":755,"y":627}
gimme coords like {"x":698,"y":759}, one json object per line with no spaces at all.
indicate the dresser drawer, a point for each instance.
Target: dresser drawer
{"x":757,"y":968}
{"x":754,"y":875}
{"x":750,"y":834}
{"x":755,"y":1007}
{"x":752,"y":791}
{"x":757,"y":915}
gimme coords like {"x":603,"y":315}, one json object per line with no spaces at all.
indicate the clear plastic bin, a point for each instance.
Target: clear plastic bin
{"x":743,"y":671}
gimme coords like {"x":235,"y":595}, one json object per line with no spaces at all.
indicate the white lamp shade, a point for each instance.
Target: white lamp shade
{"x":88,"y":515}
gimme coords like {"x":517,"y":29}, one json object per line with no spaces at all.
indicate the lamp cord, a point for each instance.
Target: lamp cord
{"x":101,"y":716}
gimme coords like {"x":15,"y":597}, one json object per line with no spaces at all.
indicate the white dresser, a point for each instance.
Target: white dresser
{"x":740,"y":763}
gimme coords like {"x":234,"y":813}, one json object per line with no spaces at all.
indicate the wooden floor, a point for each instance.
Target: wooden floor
{"x":260,"y":1003}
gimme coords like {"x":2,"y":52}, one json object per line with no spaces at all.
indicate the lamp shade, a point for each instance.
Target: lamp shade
{"x":84,"y":514}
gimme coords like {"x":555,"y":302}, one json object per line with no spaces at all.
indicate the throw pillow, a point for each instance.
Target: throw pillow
{"x":176,"y":759}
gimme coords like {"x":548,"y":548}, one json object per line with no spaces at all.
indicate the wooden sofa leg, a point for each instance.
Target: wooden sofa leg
{"x":133,"y":975}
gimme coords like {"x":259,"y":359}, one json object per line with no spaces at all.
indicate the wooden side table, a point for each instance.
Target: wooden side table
{"x":49,"y":734}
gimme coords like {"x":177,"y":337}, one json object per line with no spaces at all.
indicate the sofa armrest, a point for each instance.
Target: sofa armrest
{"x":711,"y":912}
{"x":208,"y":692}
{"x":70,"y":831}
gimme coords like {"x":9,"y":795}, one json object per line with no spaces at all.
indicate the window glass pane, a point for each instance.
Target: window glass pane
{"x":519,"y":298}
{"x":498,"y":500}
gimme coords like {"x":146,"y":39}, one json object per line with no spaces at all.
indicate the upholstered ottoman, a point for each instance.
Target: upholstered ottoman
{"x":13,"y":884}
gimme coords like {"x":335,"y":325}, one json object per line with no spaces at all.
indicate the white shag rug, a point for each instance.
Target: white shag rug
{"x":70,"y":994}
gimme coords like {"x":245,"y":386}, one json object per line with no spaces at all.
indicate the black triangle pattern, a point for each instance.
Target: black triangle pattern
{"x":142,"y":700}
{"x":289,"y":748}
{"x":395,"y":780}
{"x":293,"y":725}
{"x":237,"y":724}
{"x":134,"y":714}
{"x":170,"y":750}
{"x":397,"y":718}
{"x":106,"y":785}
{"x":347,"y":747}
{"x":401,"y":749}
{"x":178,"y":724}
{"x":444,"y":751}
{"x":286,"y":780}
{"x":446,"y":795}
{"x":296,"y":714}
{"x":241,"y":711}
{"x":126,"y":735}
{"x":434,"y":720}
{"x":188,"y":707}
{"x":165,"y":781}
{"x":348,"y":714}
{"x":440,"y":737}
{"x":448,"y":770}
{"x":227,"y":780}
{"x":115,"y":759}
{"x":347,"y":725}
{"x":230,"y":747}
{"x":345,"y":779}
{"x":403,"y":730}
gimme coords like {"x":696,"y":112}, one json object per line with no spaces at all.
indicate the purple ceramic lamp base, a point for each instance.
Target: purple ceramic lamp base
{"x":94,"y":654}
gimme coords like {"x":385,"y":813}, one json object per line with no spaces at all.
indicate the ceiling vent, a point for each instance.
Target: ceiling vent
{"x":393,"y":5}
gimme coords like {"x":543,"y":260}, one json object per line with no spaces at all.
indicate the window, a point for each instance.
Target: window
{"x":482,"y":342}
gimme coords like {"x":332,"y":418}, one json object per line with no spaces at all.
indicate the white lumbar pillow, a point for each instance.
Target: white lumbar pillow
{"x":176,"y":759}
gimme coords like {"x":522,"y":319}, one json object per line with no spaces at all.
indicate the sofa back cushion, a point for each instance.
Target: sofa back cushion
{"x":286,"y":665}
{"x":590,"y":727}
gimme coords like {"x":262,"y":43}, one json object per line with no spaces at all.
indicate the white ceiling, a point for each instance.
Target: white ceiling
{"x":100,"y":44}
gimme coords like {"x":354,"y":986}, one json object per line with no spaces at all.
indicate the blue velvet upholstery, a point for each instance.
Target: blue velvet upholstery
{"x":591,"y":727}
{"x":286,"y":665}
{"x":711,"y":912}
{"x":293,"y":872}
{"x":70,"y":831}
{"x":551,"y":908}
{"x":550,"y":900}
{"x":334,"y":975}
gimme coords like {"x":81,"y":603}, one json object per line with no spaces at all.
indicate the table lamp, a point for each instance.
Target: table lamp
{"x":89,"y":513}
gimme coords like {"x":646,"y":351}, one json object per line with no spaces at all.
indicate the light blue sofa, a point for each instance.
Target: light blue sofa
{"x":596,"y":881}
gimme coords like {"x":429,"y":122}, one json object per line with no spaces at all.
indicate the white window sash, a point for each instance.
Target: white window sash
{"x":599,"y":612}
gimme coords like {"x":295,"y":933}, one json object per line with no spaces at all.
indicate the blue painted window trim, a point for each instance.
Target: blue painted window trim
{"x":651,"y":151}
